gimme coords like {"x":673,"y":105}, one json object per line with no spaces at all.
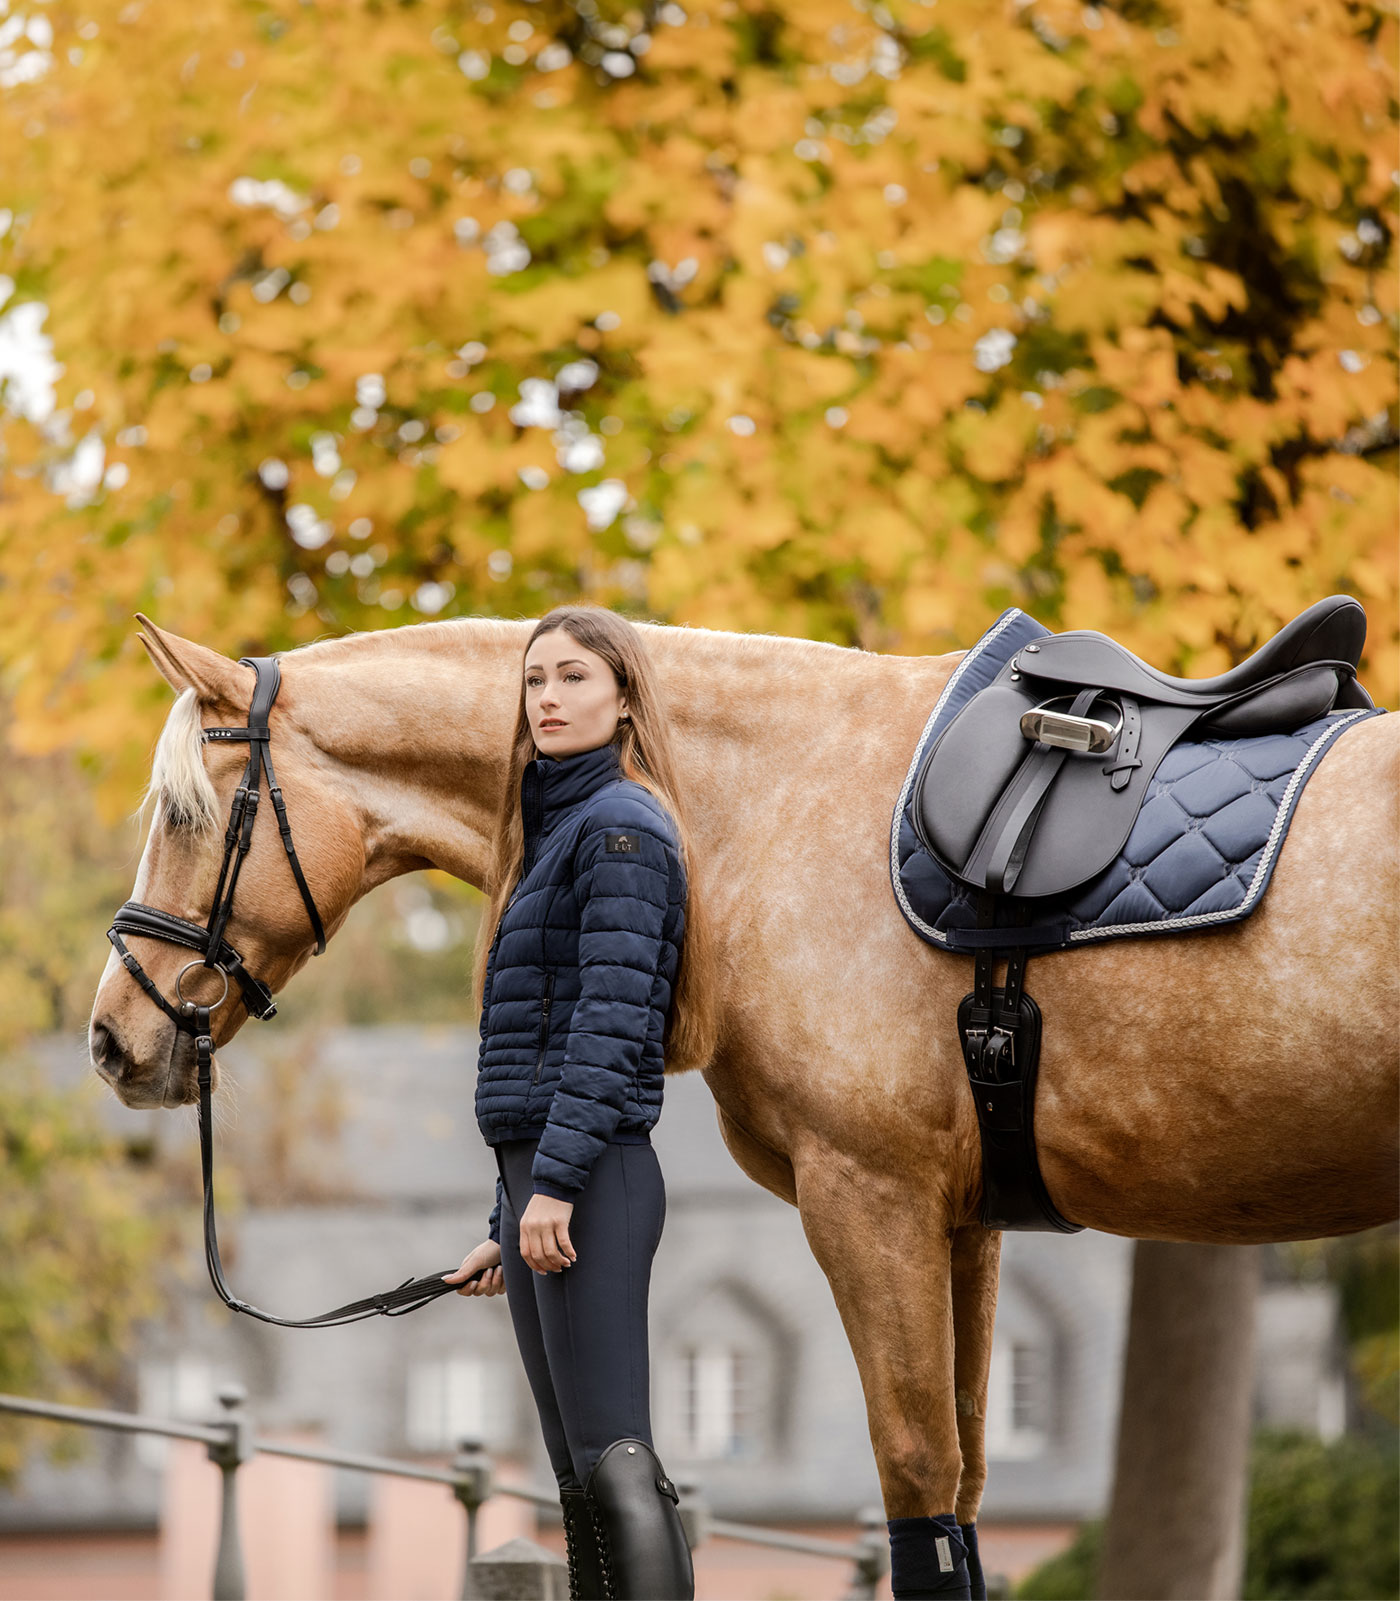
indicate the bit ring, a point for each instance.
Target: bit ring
{"x":213,"y":1005}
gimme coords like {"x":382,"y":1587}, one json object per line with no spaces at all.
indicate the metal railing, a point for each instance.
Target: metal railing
{"x":471,"y":1478}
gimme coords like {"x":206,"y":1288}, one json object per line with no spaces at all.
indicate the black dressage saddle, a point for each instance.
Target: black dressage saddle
{"x":1032,"y":789}
{"x":1034,"y":786}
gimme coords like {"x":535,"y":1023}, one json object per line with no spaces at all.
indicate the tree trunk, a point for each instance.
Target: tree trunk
{"x":1175,"y":1528}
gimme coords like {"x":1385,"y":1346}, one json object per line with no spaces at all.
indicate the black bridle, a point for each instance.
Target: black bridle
{"x":192,"y":1017}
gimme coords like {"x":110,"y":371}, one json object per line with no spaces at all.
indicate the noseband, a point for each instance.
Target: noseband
{"x":192,"y":1017}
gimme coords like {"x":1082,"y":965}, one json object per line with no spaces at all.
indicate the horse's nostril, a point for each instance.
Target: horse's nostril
{"x":106,"y":1054}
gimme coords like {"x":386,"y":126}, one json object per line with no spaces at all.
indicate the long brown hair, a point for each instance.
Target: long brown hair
{"x":646,"y":756}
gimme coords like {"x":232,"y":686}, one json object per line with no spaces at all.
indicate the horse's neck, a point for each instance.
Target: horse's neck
{"x":420,"y":725}
{"x":416,"y":726}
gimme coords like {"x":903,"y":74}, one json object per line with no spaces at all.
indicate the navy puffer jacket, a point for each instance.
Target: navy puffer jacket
{"x":579,"y":976}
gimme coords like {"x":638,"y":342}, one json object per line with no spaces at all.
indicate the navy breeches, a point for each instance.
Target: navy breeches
{"x":582,"y":1332}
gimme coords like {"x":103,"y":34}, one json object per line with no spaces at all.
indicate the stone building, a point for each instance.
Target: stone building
{"x":361,"y":1165}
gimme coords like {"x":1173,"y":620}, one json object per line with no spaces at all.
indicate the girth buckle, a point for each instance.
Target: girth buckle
{"x":1000,"y":1051}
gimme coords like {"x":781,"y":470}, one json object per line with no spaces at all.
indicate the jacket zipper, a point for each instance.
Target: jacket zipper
{"x":532,"y":819}
{"x":544,"y":1023}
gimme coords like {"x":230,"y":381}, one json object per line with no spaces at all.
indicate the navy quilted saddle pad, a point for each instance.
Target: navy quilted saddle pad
{"x":1200,"y":853}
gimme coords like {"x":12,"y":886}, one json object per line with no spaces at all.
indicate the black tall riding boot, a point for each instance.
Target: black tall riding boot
{"x":583,"y":1547}
{"x":648,"y":1558}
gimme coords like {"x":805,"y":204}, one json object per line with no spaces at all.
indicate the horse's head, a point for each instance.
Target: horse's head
{"x":134,"y":1042}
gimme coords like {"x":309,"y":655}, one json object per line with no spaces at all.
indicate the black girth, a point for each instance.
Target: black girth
{"x":219,"y":956}
{"x":1000,"y":1031}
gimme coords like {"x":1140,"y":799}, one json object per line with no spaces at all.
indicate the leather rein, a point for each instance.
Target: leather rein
{"x":191,"y":1017}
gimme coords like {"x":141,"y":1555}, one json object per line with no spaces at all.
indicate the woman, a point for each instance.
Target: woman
{"x":582,"y":988}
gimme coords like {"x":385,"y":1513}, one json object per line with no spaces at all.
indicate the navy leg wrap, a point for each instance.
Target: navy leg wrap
{"x":927,"y":1558}
{"x":976,"y":1582}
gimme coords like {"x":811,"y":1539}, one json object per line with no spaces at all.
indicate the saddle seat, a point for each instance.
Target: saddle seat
{"x":1034,"y":785}
{"x":1330,"y":632}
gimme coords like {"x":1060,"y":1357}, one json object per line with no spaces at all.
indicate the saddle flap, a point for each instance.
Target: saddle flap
{"x":965,"y":793}
{"x":970,"y":765}
{"x":1085,"y":821}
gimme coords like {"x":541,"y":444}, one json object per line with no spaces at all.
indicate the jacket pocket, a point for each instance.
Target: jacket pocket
{"x":544,"y":1023}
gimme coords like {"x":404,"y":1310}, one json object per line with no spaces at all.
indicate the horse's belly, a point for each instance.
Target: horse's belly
{"x":1221,"y":1167}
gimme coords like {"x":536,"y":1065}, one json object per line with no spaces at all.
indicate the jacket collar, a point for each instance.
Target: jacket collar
{"x":551,"y":785}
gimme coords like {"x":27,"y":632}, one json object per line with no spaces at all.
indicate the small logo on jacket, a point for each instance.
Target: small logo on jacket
{"x":621,"y":842}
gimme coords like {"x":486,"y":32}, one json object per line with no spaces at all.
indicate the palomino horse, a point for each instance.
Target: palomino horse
{"x":1233,"y":1087}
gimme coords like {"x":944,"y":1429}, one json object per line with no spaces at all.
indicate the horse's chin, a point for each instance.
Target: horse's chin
{"x":157,"y":1092}
{"x":163,"y":1086}
{"x":139,"y":1097}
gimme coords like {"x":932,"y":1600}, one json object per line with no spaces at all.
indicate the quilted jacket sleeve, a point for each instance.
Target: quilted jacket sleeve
{"x":622,"y":895}
{"x":493,"y":1227}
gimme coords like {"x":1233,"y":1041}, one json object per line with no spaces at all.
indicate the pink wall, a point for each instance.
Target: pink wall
{"x":285,"y":1516}
{"x":418,"y":1536}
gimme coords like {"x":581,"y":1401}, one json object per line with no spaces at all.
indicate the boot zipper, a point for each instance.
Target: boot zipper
{"x":544,"y":1023}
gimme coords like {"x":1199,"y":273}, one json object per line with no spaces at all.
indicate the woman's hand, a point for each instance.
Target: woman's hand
{"x":544,"y":1234}
{"x":486,"y":1255}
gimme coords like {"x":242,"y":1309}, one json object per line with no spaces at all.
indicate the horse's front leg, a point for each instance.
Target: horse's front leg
{"x":886,"y":1250}
{"x":976,"y":1260}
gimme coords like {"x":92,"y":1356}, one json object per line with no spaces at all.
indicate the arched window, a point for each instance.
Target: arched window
{"x":722,"y":1376}
{"x":712,"y":1402}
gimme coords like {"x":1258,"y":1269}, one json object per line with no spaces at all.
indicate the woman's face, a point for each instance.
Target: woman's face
{"x":571,"y":698}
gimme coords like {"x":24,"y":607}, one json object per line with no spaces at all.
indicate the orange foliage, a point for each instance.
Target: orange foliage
{"x":879,"y":316}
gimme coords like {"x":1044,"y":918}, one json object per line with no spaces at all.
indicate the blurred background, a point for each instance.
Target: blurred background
{"x":851,"y":321}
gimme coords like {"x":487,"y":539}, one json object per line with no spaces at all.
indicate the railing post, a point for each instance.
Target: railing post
{"x":472,"y":1483}
{"x":520,"y":1570}
{"x":873,"y":1561}
{"x":230,"y":1452}
{"x":694,"y":1511}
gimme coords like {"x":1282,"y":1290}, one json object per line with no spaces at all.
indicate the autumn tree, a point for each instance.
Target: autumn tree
{"x":844,"y":319}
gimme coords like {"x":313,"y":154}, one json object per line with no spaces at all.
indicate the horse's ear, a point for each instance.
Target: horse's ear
{"x":185,"y":665}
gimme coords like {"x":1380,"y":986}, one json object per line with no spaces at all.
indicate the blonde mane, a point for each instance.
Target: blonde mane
{"x":179,"y":778}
